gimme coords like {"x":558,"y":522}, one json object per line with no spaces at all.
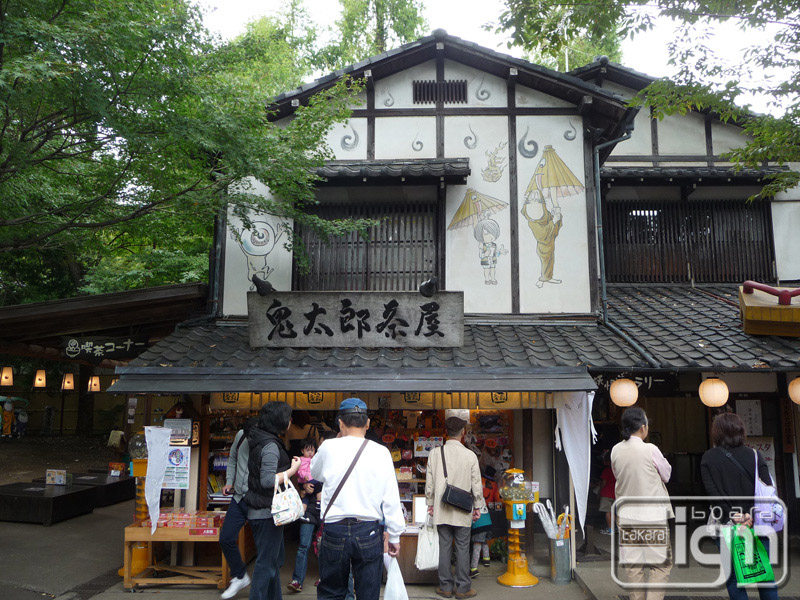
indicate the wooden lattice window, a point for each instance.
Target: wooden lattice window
{"x":453,"y":91}
{"x":401,"y":252}
{"x":680,"y":241}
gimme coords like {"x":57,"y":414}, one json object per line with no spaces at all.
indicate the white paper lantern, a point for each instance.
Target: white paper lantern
{"x":624,"y":392}
{"x":713,"y":392}
{"x":794,"y":390}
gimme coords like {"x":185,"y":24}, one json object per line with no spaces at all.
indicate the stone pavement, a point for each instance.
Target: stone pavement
{"x":594,"y":577}
{"x":78,"y":560}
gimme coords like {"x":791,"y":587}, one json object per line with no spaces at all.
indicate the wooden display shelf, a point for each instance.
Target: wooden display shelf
{"x":178,"y":575}
{"x":410,"y":481}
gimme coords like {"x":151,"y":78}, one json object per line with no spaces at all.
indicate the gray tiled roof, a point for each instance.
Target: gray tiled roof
{"x":440,"y":35}
{"x":685,"y":328}
{"x":512,"y":345}
{"x":699,"y":328}
{"x":429,"y":167}
{"x":650,"y":172}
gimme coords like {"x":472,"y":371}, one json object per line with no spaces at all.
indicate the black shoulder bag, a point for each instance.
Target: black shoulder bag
{"x":454,"y":496}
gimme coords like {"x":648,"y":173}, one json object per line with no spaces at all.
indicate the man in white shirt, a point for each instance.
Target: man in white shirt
{"x":367,"y":502}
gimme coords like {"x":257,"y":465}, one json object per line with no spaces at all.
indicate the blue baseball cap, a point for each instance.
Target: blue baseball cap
{"x":355,"y":405}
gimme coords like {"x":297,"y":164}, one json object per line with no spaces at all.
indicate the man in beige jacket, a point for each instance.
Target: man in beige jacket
{"x":454,"y":524}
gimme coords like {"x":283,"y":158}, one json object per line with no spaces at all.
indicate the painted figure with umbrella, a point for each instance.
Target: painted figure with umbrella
{"x":551,"y":181}
{"x":476,"y":209}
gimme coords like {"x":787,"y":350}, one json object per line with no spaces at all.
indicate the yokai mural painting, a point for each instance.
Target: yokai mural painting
{"x":551,"y":181}
{"x":476,"y":210}
{"x":256,"y":243}
{"x":251,"y":249}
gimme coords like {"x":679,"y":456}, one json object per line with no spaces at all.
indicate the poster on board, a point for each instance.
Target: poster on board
{"x":750,"y":412}
{"x":176,"y":476}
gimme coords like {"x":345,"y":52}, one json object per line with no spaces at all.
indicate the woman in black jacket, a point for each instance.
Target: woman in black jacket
{"x":269,"y":465}
{"x":722,"y":476}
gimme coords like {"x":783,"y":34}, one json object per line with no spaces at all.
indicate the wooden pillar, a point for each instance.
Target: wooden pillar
{"x":85,"y":423}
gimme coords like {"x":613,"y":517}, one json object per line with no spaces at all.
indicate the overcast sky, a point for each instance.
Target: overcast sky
{"x":466,"y":19}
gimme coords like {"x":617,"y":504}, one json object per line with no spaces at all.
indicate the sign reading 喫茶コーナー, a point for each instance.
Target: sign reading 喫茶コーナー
{"x":353,"y":319}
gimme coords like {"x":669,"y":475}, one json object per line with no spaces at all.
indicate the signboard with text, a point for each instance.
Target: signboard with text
{"x":356,"y":319}
{"x":96,"y":349}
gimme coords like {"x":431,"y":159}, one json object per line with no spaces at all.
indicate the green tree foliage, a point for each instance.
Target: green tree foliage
{"x":706,"y":80}
{"x":370,"y":27}
{"x":575,"y":52}
{"x":123,"y":121}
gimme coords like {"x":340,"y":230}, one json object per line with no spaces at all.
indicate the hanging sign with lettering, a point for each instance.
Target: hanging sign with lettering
{"x":356,"y":319}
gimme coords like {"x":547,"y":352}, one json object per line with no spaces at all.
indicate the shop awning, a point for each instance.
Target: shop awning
{"x":190,"y":380}
{"x":495,"y":358}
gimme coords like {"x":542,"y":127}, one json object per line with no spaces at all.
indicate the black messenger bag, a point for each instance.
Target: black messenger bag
{"x":461,"y":499}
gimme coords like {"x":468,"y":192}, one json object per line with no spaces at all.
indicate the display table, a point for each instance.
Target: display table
{"x":161,"y":574}
{"x":46,"y":504}
{"x":108,"y":490}
{"x":408,"y":554}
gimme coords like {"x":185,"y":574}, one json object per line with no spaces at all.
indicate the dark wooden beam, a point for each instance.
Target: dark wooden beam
{"x":511,"y":98}
{"x":439,"y":103}
{"x":370,"y":119}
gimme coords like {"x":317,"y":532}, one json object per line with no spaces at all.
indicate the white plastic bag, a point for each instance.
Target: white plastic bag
{"x":395,"y":586}
{"x":286,"y":504}
{"x":427,"y":547}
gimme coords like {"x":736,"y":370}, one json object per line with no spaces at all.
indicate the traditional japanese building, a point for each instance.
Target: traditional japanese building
{"x":482,"y":171}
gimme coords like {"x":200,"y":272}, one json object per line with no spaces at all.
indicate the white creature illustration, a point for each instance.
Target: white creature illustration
{"x":256,"y":243}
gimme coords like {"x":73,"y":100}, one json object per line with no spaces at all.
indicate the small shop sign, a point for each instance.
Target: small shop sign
{"x":96,"y":349}
{"x":356,"y":319}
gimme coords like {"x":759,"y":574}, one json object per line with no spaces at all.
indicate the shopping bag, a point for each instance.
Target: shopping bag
{"x":750,"y":558}
{"x":768,"y":511}
{"x":427,"y":547}
{"x":286,"y":504}
{"x":395,"y":586}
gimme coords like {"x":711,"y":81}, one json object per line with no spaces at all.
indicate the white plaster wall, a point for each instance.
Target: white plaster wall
{"x":464,"y":270}
{"x":349,"y":140}
{"x":682,"y":134}
{"x":526,"y":97}
{"x":258,"y":250}
{"x":405,"y":137}
{"x":573,"y":293}
{"x":396,"y":90}
{"x":794,"y":193}
{"x":483,"y":89}
{"x":360,"y":100}
{"x":785,"y":226}
{"x":641,"y":143}
{"x":725,"y":138}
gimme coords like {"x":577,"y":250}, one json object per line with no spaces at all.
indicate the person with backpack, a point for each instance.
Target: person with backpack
{"x":236,"y":516}
{"x":268,"y":465}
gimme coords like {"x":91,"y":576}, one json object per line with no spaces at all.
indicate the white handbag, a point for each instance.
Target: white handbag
{"x":286,"y":504}
{"x":427,"y":547}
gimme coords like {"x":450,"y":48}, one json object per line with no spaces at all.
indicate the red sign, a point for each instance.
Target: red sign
{"x":207,"y":531}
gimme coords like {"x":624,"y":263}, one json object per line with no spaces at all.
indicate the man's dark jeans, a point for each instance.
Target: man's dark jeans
{"x":345,"y":544}
{"x":235,"y":519}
